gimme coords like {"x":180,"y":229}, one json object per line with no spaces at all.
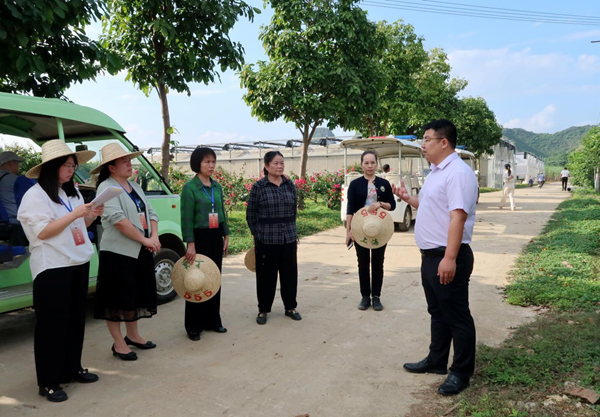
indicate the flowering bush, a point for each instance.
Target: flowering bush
{"x":236,"y":188}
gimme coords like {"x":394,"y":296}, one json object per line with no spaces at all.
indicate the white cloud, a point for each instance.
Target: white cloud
{"x":589,"y":64}
{"x":576,"y":36}
{"x":211,"y":136}
{"x":539,"y":122}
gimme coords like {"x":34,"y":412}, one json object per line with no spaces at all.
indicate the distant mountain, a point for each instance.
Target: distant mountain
{"x":553,"y":147}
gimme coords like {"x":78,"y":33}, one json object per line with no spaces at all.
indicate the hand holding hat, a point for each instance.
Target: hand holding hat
{"x":372,"y":230}
{"x":196,"y":282}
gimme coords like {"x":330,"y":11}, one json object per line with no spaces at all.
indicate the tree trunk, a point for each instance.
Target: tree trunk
{"x":166,"y":145}
{"x":307,"y":135}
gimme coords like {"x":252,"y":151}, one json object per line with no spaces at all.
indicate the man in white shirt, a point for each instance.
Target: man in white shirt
{"x":443,"y":230}
{"x":9,"y":172}
{"x":564,"y":178}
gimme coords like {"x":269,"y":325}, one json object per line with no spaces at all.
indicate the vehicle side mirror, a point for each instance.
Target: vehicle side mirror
{"x":80,"y":148}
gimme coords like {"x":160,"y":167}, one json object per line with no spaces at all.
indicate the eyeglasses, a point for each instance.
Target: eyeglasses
{"x":428,"y":140}
{"x":70,"y":166}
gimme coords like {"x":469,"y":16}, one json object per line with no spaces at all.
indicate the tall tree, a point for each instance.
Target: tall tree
{"x":476,"y":124}
{"x":166,"y":44}
{"x":44,"y":47}
{"x":322,"y":67}
{"x":584,"y":162}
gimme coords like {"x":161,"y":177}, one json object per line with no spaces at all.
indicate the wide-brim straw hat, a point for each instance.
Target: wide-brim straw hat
{"x":196,"y":283}
{"x":372,"y":230}
{"x":111,"y":152}
{"x":250,"y":259}
{"x":54,"y":149}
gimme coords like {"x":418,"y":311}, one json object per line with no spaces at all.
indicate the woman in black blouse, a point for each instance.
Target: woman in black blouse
{"x":271,"y":217}
{"x":369,"y":190}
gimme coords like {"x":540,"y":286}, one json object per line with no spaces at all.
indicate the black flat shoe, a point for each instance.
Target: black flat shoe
{"x":424,"y":367}
{"x":85,"y":377}
{"x":194,"y":336}
{"x":131,"y":356}
{"x":364,"y":303}
{"x":54,"y":394}
{"x":293,"y":314}
{"x":453,"y":385}
{"x":147,"y":345}
{"x":220,"y":329}
{"x":261,"y":318}
{"x":377,"y":306}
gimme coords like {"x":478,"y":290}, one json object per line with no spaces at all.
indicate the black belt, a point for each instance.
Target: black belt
{"x":438,"y":252}
{"x":277,"y":220}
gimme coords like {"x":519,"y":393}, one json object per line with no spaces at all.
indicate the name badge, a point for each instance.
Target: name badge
{"x":213,"y":220}
{"x":143,"y":221}
{"x":77,"y":235}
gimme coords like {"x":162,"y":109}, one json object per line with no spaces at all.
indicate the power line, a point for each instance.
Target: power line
{"x":411,"y":6}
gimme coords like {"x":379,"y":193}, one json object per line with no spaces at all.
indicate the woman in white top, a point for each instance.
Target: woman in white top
{"x":55,"y":218}
{"x":508,"y":190}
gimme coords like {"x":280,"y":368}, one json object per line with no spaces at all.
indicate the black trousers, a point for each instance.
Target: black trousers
{"x":206,"y":315}
{"x":270,"y":261}
{"x":372,"y":258}
{"x":564,"y":181}
{"x":59,"y":297}
{"x":451,"y":319}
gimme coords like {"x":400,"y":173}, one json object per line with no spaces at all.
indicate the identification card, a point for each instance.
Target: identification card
{"x":77,"y":235}
{"x":213,"y":220}
{"x":143,"y":221}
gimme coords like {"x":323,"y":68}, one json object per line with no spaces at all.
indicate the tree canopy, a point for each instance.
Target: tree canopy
{"x":44,"y":47}
{"x":476,"y":124}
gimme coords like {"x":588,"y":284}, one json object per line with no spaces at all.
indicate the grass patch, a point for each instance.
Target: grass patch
{"x":313,"y":219}
{"x":558,"y":269}
{"x":488,"y":190}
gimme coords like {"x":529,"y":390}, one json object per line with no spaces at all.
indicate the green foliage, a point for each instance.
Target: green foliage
{"x":554,"y":147}
{"x":560,"y":267}
{"x":31,"y":156}
{"x":585,"y":159}
{"x":476,"y":124}
{"x":44,"y":47}
{"x":321,"y":67}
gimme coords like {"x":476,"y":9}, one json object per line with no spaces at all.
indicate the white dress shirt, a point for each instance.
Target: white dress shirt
{"x":450,"y":186}
{"x":508,"y":182}
{"x":35,"y":213}
{"x":564,"y":173}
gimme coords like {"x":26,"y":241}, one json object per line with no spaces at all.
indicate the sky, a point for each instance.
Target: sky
{"x":537,"y":76}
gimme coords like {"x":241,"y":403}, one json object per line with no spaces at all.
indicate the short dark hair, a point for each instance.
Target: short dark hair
{"x":269,"y":156}
{"x":444,"y":128}
{"x":48,"y":178}
{"x":365,"y":153}
{"x":198,"y":156}
{"x":386,"y":168}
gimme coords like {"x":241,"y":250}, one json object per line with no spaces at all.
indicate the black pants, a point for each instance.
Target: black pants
{"x":270,"y":261}
{"x":564,"y":181}
{"x":206,"y":315}
{"x":372,"y":258}
{"x":451,"y":318}
{"x":59,"y":297}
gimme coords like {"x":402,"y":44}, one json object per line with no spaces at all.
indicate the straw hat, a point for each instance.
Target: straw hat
{"x":198,"y":282}
{"x":250,"y":259}
{"x":54,"y":149}
{"x":111,"y":152}
{"x":372,"y":231}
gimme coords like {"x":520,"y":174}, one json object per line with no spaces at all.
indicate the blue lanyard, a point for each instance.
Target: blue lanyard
{"x":212,"y":196}
{"x":69,"y":207}
{"x":135,"y":201}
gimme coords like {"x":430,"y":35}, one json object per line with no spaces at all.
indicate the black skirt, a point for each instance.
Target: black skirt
{"x":126,"y":289}
{"x":207,"y":315}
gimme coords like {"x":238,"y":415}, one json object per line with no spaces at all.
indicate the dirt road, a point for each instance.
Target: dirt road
{"x":338,"y":361}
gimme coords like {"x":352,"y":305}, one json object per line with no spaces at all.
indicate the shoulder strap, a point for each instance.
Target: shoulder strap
{"x":5,"y":174}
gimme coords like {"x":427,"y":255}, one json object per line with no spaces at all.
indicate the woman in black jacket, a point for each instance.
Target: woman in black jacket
{"x":369,"y":190}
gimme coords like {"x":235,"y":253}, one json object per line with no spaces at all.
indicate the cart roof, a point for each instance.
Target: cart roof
{"x":35,"y":118}
{"x":465,"y":154}
{"x":384,"y":146}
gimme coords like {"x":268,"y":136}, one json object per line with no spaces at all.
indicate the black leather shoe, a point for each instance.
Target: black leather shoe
{"x":85,"y":377}
{"x":54,"y":394}
{"x":377,"y":306}
{"x":131,"y":356}
{"x":261,"y":318}
{"x":220,"y":329}
{"x":293,"y":314}
{"x":424,"y":367}
{"x":194,"y":337}
{"x":453,"y":385}
{"x":147,"y":345}
{"x":364,"y":303}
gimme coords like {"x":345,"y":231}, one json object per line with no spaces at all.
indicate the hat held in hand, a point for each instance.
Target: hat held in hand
{"x":372,"y":230}
{"x":197,"y":282}
{"x":250,"y":259}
